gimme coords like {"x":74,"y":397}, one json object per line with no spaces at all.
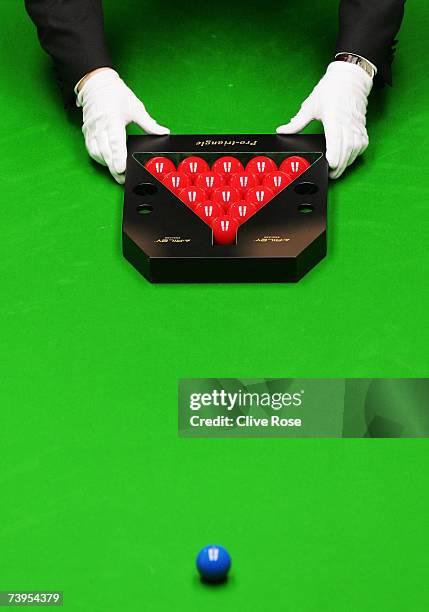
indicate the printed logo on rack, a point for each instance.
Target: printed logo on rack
{"x":226,"y":143}
{"x":175,"y":239}
{"x":272,"y":239}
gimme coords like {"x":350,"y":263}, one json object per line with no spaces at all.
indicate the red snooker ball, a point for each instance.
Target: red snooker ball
{"x":277,"y":180}
{"x":193,"y":165}
{"x":209,"y":181}
{"x":242,"y":210}
{"x":175,"y":181}
{"x":227,"y":166}
{"x":224,"y":229}
{"x":243,"y":181}
{"x":294,"y":165}
{"x":209,"y":210}
{"x":259,"y":195}
{"x":260,"y":166}
{"x":160,"y":166}
{"x":226,"y":196}
{"x":192,"y":196}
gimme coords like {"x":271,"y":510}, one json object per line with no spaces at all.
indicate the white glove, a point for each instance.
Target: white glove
{"x":339,"y":101}
{"x":108,"y":107}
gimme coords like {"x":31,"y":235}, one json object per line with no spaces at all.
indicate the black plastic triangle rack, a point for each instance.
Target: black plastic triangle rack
{"x":168,"y":242}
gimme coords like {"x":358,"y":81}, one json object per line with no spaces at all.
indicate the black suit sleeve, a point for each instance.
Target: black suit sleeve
{"x":369,"y":28}
{"x":72,"y":32}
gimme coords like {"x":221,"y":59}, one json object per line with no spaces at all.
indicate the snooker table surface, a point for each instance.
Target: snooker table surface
{"x":100,"y":498}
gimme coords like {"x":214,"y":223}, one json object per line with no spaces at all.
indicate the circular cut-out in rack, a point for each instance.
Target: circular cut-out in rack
{"x":144,"y":209}
{"x":306,"y":188}
{"x":145,"y":189}
{"x":305,"y":209}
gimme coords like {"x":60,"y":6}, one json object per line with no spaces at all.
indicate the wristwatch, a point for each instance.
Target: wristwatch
{"x":352,"y":58}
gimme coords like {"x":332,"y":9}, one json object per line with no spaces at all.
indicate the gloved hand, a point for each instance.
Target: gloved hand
{"x":108,"y":107}
{"x":339,"y":101}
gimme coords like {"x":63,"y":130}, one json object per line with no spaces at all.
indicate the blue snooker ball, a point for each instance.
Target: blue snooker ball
{"x":213,"y":563}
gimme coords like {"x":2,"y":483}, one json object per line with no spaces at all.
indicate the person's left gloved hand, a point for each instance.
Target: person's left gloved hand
{"x":339,"y":101}
{"x":108,"y":106}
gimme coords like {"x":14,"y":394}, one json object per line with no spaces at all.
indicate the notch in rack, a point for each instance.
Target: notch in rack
{"x":280,"y":241}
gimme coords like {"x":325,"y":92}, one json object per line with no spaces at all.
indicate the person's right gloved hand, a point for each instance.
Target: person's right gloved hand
{"x":108,"y":106}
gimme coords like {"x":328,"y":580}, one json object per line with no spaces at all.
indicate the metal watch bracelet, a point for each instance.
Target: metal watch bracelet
{"x":352,"y":58}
